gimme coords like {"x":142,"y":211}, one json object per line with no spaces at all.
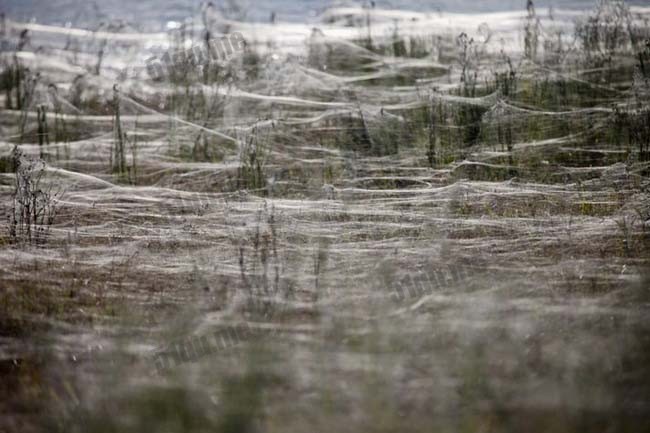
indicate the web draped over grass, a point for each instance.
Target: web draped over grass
{"x":429,"y":223}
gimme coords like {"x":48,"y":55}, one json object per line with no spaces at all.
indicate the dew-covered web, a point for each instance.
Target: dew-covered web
{"x":469,"y":223}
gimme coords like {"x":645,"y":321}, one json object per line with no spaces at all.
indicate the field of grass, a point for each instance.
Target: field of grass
{"x":396,"y":222}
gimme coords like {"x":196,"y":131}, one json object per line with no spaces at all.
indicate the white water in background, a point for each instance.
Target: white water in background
{"x":152,"y":15}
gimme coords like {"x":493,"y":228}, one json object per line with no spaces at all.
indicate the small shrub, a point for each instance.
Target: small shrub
{"x":34,"y":204}
{"x":118,"y":152}
{"x":531,"y":32}
{"x":253,"y":155}
{"x":606,"y":32}
{"x":468,"y":115}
